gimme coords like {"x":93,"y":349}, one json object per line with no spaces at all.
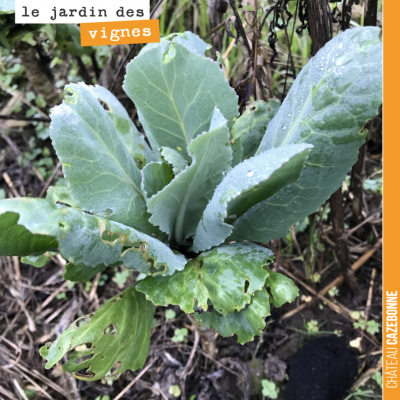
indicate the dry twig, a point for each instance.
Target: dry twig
{"x":141,"y":373}
{"x":338,"y":281}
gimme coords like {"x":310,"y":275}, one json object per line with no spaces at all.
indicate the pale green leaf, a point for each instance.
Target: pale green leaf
{"x":244,"y":186}
{"x":50,"y":32}
{"x":251,"y":125}
{"x":33,"y":226}
{"x":191,"y":41}
{"x":170,"y":314}
{"x":108,"y":342}
{"x":282,"y":288}
{"x":375,"y":185}
{"x":155,"y":176}
{"x":133,"y":139}
{"x":228,"y":276}
{"x":178,"y":207}
{"x":217,"y":120}
{"x":38,"y":261}
{"x":175,"y":390}
{"x":61,"y":195}
{"x":102,"y":176}
{"x":121,"y":278}
{"x":270,"y":389}
{"x":175,"y":92}
{"x":336,"y":93}
{"x":237,"y":151}
{"x":173,"y":158}
{"x":28,"y":38}
{"x":372,"y":327}
{"x":245,"y":323}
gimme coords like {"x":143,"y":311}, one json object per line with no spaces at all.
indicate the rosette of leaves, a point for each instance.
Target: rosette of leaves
{"x":185,"y":207}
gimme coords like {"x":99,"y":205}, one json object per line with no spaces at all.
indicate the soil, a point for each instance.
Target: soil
{"x":323,"y":369}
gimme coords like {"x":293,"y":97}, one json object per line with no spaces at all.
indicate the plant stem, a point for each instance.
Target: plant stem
{"x":215,"y":19}
{"x":310,"y":252}
{"x":36,"y":75}
{"x":318,"y":24}
{"x":255,"y":50}
{"x":242,"y":33}
{"x":357,"y":178}
{"x":208,"y":337}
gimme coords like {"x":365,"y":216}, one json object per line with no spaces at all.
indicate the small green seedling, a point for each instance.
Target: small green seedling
{"x":70,"y":285}
{"x":333,"y":292}
{"x":180,"y":335}
{"x":121,"y":277}
{"x":175,"y":390}
{"x":370,"y":326}
{"x":377,"y":377}
{"x":88,"y":286}
{"x":270,"y":389}
{"x":102,"y":280}
{"x":170,"y":314}
{"x":312,"y":327}
{"x":374,"y":185}
{"x":61,"y":296}
{"x":315,"y":277}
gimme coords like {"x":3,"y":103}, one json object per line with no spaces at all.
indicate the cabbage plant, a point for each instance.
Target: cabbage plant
{"x":189,"y":210}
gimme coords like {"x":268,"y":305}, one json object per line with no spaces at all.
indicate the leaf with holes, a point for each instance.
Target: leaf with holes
{"x":61,"y":195}
{"x":228,"y":276}
{"x":334,"y":96}
{"x":133,"y":139}
{"x":282,"y":288}
{"x":244,"y":186}
{"x":34,"y":226}
{"x":187,"y":39}
{"x":102,"y":175}
{"x":108,"y":342}
{"x":245,"y":323}
{"x":172,"y":110}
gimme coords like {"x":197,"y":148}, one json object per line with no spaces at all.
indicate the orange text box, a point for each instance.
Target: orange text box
{"x":120,"y":32}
